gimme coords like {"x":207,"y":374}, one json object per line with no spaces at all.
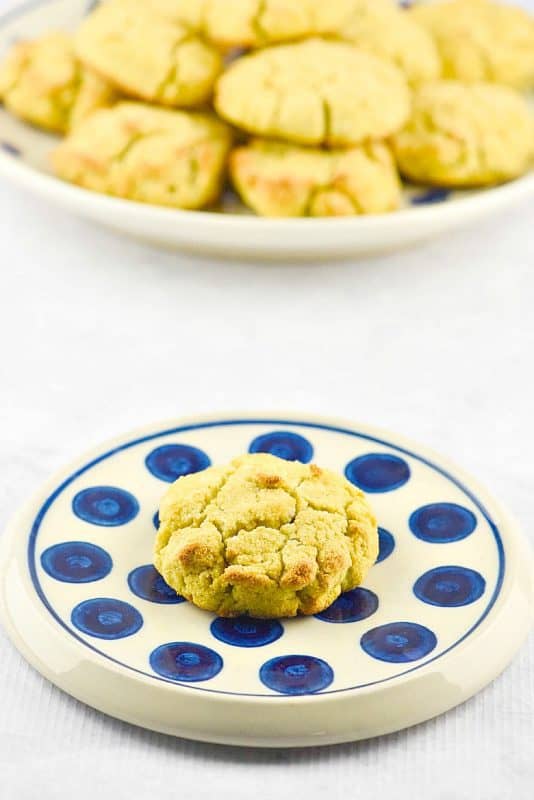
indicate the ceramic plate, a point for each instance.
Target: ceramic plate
{"x":24,"y":158}
{"x":442,"y":612}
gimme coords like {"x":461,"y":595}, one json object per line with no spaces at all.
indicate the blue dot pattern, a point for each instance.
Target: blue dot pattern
{"x":431,"y":197}
{"x":76,"y":562}
{"x":441,"y":523}
{"x":155,"y":520}
{"x":105,"y":505}
{"x":185,"y":661}
{"x":386,"y":544}
{"x":246,"y":632}
{"x":351,"y":606}
{"x":283,"y":444}
{"x":172,"y":461}
{"x":378,"y":472}
{"x":399,"y":642}
{"x":147,"y":583}
{"x":296,"y":674}
{"x":106,"y":618}
{"x":7,"y":147}
{"x":450,"y":587}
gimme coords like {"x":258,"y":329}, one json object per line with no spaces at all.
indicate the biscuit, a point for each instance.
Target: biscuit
{"x":282,"y":180}
{"x":257,"y":23}
{"x":264,"y":537}
{"x":148,"y":56}
{"x":396,"y":36}
{"x":148,"y":154}
{"x":314,"y":92}
{"x":42,"y":82}
{"x":466,"y":135}
{"x":479,"y":40}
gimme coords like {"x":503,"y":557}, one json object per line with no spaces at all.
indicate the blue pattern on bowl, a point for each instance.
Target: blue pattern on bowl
{"x":353,"y":606}
{"x":106,"y":618}
{"x":283,"y":444}
{"x":442,"y":523}
{"x":173,"y":461}
{"x":450,"y":586}
{"x":246,"y":632}
{"x":11,"y":149}
{"x":399,"y":642}
{"x":147,"y":583}
{"x":378,"y":472}
{"x":386,"y":544}
{"x":296,"y":674}
{"x":105,"y":505}
{"x":185,"y":661}
{"x":76,"y":562}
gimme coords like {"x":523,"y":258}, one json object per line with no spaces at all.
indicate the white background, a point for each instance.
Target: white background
{"x":99,"y":334}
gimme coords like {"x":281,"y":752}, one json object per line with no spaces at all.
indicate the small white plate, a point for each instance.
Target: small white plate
{"x":24,"y":158}
{"x":442,"y":612}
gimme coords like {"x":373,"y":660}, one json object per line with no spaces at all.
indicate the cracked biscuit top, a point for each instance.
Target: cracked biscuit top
{"x":264,"y":537}
{"x":397,"y":37}
{"x":42,"y":82}
{"x":314,"y":92}
{"x":148,"y":56}
{"x":256,"y":23}
{"x":480,"y":40}
{"x":466,"y":135}
{"x":149,"y":154}
{"x":282,"y":180}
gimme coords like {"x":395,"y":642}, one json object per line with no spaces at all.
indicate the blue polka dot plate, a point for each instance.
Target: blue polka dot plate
{"x":442,"y":612}
{"x":25,"y":159}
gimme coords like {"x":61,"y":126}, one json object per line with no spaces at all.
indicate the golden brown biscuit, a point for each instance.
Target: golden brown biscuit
{"x":148,"y":154}
{"x":480,"y":40}
{"x":148,"y":56}
{"x":466,"y":135}
{"x":314,"y":92}
{"x":42,"y":82}
{"x":282,"y":180}
{"x":257,"y":23}
{"x":394,"y":35}
{"x":264,"y":537}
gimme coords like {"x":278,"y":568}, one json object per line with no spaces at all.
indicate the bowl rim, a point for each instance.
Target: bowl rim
{"x":107,"y":207}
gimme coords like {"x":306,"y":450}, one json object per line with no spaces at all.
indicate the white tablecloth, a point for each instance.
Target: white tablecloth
{"x":99,"y":334}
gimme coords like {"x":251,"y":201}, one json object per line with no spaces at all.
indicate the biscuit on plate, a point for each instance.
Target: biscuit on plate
{"x":148,"y":56}
{"x":282,"y":180}
{"x":148,"y":154}
{"x":466,"y":135}
{"x":396,"y":36}
{"x":479,"y":40}
{"x":42,"y":82}
{"x":314,"y":92}
{"x":256,"y":23}
{"x":264,"y":537}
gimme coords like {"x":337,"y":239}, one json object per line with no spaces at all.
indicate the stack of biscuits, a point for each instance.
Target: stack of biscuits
{"x":310,"y":107}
